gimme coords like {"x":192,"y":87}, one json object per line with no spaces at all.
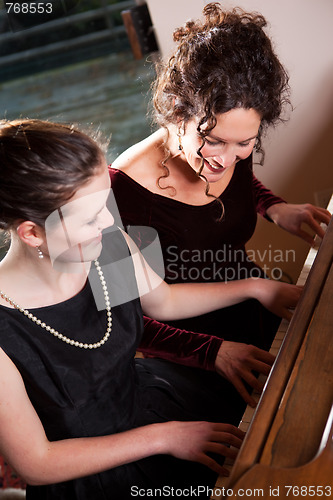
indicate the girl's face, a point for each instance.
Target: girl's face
{"x":231,"y":140}
{"x":74,"y":231}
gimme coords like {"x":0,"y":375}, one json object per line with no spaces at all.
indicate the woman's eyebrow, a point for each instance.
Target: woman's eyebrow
{"x":219,"y":139}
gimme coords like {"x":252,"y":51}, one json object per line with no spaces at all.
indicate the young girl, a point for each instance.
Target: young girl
{"x":79,"y":417}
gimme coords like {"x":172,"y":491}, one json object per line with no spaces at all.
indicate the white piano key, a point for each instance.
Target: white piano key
{"x":248,"y":414}
{"x":243,"y":426}
{"x":280,"y":335}
{"x":283,"y":326}
{"x":276,"y":344}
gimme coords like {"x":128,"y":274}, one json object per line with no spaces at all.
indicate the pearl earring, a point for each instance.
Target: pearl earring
{"x":40,"y":253}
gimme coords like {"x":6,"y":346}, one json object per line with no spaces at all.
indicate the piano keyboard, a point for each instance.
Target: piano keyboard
{"x":222,"y":481}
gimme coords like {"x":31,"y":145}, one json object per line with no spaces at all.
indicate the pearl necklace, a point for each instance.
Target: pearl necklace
{"x":58,"y":335}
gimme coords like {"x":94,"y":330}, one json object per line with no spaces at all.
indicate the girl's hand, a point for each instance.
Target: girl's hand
{"x":277,"y":297}
{"x":195,"y":441}
{"x":292,"y":217}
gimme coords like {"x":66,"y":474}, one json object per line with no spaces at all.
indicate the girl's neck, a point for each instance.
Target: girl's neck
{"x":34,"y":282}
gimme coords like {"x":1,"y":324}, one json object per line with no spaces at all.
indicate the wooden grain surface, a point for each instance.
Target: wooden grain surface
{"x":281,"y":380}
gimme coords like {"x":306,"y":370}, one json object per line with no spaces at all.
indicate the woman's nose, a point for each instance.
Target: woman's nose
{"x":227,"y":158}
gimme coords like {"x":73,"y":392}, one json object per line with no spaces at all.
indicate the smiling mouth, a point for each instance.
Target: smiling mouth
{"x":214,"y":168}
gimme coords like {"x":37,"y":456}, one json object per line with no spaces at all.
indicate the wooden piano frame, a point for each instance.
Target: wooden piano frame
{"x":289,"y":443}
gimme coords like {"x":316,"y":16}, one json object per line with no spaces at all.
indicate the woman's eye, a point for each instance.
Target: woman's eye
{"x":244,"y":144}
{"x":213,"y":143}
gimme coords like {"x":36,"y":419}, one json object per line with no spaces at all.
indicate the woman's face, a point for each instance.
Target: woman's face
{"x":74,"y":231}
{"x":231,"y":140}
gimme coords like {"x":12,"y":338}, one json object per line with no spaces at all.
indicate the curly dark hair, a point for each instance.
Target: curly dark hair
{"x":42,"y":164}
{"x":224,"y":62}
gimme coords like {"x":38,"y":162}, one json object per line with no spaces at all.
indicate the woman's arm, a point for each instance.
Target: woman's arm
{"x":237,"y":362}
{"x":187,"y":348}
{"x":289,"y":216}
{"x":293,"y":217}
{"x":25,"y":446}
{"x":264,"y":197}
{"x":234,"y":361}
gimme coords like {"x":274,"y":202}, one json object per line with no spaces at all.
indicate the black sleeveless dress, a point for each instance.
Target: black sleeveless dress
{"x":94,"y":392}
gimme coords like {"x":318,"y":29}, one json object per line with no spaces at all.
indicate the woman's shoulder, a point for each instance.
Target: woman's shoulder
{"x":128,"y":160}
{"x":140,"y":160}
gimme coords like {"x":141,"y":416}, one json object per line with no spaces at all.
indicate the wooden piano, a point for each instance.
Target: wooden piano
{"x":288,"y":448}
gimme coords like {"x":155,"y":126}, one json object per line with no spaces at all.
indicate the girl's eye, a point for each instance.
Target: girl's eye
{"x":244,"y":144}
{"x":92,"y":222}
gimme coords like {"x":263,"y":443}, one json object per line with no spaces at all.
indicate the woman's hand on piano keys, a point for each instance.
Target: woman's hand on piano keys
{"x":198,"y":441}
{"x":236,"y":362}
{"x":277,"y":297}
{"x":293,"y":217}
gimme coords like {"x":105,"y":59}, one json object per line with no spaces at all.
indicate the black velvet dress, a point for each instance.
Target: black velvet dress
{"x":199,"y":246}
{"x":93,"y":392}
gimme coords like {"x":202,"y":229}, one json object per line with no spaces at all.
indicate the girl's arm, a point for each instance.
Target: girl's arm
{"x":25,"y":446}
{"x":37,"y":460}
{"x":184,"y":300}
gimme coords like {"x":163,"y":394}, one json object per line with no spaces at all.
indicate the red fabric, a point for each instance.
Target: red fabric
{"x":264,"y":197}
{"x":179,"y":346}
{"x":8,"y":478}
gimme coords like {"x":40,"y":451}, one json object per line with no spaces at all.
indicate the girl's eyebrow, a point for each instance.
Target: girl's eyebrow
{"x":223,"y":140}
{"x":96,"y":214}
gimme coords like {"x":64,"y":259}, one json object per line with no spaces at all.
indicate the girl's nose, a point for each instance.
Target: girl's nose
{"x":105,"y":219}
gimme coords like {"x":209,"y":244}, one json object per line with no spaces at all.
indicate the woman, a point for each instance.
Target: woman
{"x":79,"y":418}
{"x":192,"y":178}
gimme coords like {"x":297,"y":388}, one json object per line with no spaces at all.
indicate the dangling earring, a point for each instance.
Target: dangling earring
{"x":180,"y":146}
{"x":40,"y":253}
{"x":180,"y":133}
